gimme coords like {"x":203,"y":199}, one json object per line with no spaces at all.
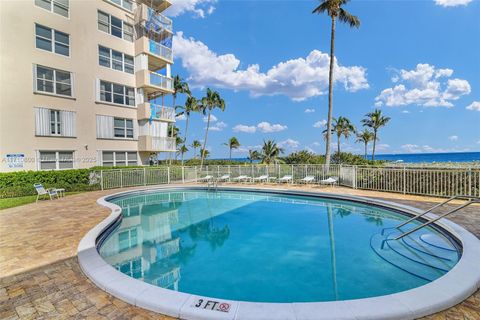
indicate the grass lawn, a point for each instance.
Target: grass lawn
{"x":18,"y":201}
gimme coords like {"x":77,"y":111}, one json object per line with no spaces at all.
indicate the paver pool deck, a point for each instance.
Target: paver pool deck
{"x":40,"y":277}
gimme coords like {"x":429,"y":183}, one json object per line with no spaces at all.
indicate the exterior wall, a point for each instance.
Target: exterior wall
{"x":17,"y":98}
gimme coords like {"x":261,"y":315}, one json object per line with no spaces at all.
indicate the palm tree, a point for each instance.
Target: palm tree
{"x":191,"y":105}
{"x":178,"y":141}
{"x":205,"y":153}
{"x":375,"y":120}
{"x":253,"y":155}
{"x":232,"y":144}
{"x":365,"y":137}
{"x":341,"y":127}
{"x":195,"y":145}
{"x":179,"y":86}
{"x":182,"y":150}
{"x":270,"y":151}
{"x":334,"y":9}
{"x":211,"y":101}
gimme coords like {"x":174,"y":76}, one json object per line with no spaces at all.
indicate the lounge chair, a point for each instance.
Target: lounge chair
{"x":285,"y":179}
{"x":205,"y":179}
{"x":42,"y":192}
{"x":224,"y":178}
{"x":261,"y":178}
{"x":307,"y":179}
{"x":241,"y":178}
{"x":330,"y":181}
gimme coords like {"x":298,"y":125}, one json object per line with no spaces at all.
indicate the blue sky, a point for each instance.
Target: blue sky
{"x":419,"y":61}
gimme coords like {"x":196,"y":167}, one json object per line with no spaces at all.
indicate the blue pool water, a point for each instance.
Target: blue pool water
{"x":267,"y":247}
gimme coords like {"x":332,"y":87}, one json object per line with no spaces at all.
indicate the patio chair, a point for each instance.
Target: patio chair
{"x":224,"y":178}
{"x":205,"y":179}
{"x":285,"y":179}
{"x":42,"y":192}
{"x":332,"y":181}
{"x":241,"y":178}
{"x":262,"y":178}
{"x":307,"y":179}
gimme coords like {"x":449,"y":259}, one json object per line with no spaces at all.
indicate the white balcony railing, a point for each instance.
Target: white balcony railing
{"x":162,"y":112}
{"x":157,"y":21}
{"x":160,"y":50}
{"x":163,"y":143}
{"x":161,"y":81}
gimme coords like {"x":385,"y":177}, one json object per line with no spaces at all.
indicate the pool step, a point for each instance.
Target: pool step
{"x":404,"y":257}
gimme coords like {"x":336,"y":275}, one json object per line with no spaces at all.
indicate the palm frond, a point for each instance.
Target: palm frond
{"x":325,"y":6}
{"x":347,"y":17}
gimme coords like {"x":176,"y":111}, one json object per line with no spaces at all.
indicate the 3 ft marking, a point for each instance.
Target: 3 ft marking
{"x":212,"y":305}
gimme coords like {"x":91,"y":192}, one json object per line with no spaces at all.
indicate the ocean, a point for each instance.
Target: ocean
{"x":430,"y":157}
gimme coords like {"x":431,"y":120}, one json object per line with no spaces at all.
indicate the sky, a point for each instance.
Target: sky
{"x":418,"y":61}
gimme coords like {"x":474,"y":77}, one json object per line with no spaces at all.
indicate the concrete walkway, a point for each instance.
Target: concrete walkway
{"x":40,"y":276}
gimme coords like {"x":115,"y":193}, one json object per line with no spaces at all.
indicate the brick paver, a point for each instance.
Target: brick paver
{"x":41,"y":279}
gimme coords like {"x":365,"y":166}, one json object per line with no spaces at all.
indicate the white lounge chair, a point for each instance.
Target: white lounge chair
{"x":241,"y":178}
{"x":307,"y":179}
{"x":224,"y":178}
{"x":205,"y":179}
{"x":42,"y":192}
{"x":261,"y":178}
{"x":286,"y":178}
{"x":330,"y":181}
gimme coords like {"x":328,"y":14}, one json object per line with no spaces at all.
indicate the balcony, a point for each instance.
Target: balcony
{"x":159,"y":55}
{"x":152,"y":20}
{"x":156,"y":144}
{"x":152,"y":82}
{"x":157,"y":112}
{"x":159,"y":5}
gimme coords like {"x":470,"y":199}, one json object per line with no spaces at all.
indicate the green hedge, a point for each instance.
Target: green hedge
{"x":17,"y":184}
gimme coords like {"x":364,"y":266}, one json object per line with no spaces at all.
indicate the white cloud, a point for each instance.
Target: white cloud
{"x":382,"y":147}
{"x":244,"y":128}
{"x":316,"y":144}
{"x":212,"y":118}
{"x":452,"y":3}
{"x":474,"y":106}
{"x":200,"y":8}
{"x":218,"y":126}
{"x":289,"y":143}
{"x":320,"y":124}
{"x":405,"y":111}
{"x":267,"y":127}
{"x":413,"y":148}
{"x":309,"y":110}
{"x":310,"y":149}
{"x":425,"y":86}
{"x":453,"y":138}
{"x":298,"y":79}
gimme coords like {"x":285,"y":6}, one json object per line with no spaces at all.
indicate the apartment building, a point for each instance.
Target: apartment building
{"x":84,"y":83}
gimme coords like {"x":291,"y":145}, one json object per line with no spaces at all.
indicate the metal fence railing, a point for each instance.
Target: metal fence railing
{"x":433,"y":181}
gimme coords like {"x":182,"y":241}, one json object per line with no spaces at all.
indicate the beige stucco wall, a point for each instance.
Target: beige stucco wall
{"x":17,"y":97}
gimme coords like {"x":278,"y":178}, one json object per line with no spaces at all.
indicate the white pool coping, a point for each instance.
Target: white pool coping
{"x":445,"y":292}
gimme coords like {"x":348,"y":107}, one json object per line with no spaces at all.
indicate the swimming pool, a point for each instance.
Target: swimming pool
{"x":279,"y":248}
{"x":261,"y":247}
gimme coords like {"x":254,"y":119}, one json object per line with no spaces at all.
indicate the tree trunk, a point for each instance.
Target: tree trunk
{"x":338,"y":145}
{"x":330,"y":94}
{"x":366,"y":148}
{"x":205,"y":141}
{"x":374,"y":144}
{"x":230,"y":153}
{"x":171,"y":134}
{"x":186,"y":130}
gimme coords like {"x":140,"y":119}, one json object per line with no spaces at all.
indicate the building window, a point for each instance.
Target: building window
{"x":115,"y":60}
{"x":52,"y":40}
{"x":55,"y":122}
{"x":126,"y":4}
{"x":56,"y":160}
{"x":123,"y":128}
{"x":116,"y":93}
{"x":114,"y":26}
{"x":53,"y":81}
{"x":119,"y":158}
{"x":60,"y":7}
{"x":133,"y":268}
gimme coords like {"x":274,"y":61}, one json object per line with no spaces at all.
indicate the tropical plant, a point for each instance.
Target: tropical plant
{"x":232,"y":144}
{"x":334,"y":10}
{"x":195,"y":145}
{"x":182,"y":150}
{"x":191,"y":105}
{"x":270,"y":152}
{"x":211,"y":101}
{"x":205,"y":154}
{"x":375,"y":120}
{"x":178,"y":142}
{"x":341,"y":127}
{"x":304,"y":157}
{"x":365,"y":137}
{"x":253,"y":155}
{"x":179,"y":86}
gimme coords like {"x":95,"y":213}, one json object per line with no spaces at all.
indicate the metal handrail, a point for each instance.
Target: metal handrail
{"x":471,"y":200}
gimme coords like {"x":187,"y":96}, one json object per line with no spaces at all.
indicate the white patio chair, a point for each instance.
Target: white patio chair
{"x":241,"y":178}
{"x":307,"y":179}
{"x":42,"y":192}
{"x":332,"y":181}
{"x":224,"y":178}
{"x":285,"y":179}
{"x":262,"y":178}
{"x":205,"y":179}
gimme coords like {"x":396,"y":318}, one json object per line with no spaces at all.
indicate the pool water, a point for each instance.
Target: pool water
{"x":268,"y":247}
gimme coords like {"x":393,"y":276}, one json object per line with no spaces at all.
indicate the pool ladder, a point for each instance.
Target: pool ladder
{"x":212,"y":185}
{"x":470,"y":200}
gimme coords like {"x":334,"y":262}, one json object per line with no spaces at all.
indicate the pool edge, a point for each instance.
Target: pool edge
{"x":445,"y":292}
